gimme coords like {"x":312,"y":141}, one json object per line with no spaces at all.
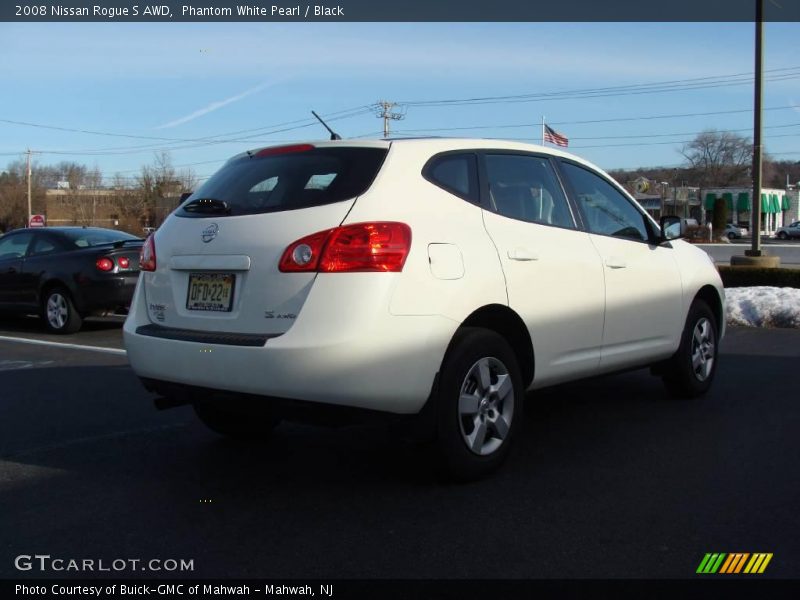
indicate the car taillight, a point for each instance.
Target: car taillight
{"x":147,"y":256}
{"x":104,"y":264}
{"x":278,"y":150}
{"x":123,"y":262}
{"x":381,"y":246}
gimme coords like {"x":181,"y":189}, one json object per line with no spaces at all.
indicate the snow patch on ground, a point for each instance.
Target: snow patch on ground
{"x":763,"y":306}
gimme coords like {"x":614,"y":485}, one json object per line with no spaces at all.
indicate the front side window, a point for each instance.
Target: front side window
{"x":606,"y":210}
{"x":14,"y":246}
{"x":526,"y":188}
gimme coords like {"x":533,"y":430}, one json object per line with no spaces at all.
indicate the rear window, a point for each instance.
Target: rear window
{"x":84,"y":238}
{"x":250,"y":184}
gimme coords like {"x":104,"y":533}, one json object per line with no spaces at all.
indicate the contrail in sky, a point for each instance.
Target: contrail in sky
{"x":214,"y":106}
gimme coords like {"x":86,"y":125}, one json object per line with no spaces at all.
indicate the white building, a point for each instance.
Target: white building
{"x":778,"y":206}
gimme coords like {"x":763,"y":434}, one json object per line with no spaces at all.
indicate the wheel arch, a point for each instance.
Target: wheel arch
{"x":52,"y":283}
{"x":507,"y":323}
{"x":710,"y":295}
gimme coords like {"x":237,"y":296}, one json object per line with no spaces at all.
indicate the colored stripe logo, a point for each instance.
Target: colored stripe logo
{"x":733,"y":563}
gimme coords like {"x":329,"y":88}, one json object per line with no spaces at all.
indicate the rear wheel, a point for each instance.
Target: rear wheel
{"x":690,"y":372}
{"x":782,"y":235}
{"x":60,"y":314}
{"x":479,"y":404}
{"x":232,"y":423}
{"x":731,"y":236}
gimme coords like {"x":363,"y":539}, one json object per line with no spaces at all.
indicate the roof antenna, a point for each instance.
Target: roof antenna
{"x":334,"y":135}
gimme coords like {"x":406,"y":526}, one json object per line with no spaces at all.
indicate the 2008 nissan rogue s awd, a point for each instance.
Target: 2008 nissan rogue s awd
{"x":434,"y":277}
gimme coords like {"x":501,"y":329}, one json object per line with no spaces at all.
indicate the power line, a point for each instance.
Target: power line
{"x":192,"y":142}
{"x":632,"y":89}
{"x":594,"y":121}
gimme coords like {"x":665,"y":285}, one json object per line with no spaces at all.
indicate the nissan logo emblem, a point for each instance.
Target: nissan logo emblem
{"x":210,"y":232}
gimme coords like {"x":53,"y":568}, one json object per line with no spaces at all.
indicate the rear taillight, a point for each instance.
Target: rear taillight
{"x":381,"y":246}
{"x":147,"y":256}
{"x":104,"y":264}
{"x":123,"y":262}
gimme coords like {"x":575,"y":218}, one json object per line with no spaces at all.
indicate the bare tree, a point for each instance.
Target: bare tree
{"x":719,"y":158}
{"x":161,"y":186}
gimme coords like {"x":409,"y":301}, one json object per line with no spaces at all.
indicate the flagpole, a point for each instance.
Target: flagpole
{"x":542,"y":130}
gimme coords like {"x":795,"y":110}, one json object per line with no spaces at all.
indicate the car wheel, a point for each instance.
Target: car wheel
{"x":245,"y":425}
{"x":690,"y":371}
{"x":59,"y":313}
{"x":782,"y":235}
{"x":731,"y":236}
{"x":480,"y":398}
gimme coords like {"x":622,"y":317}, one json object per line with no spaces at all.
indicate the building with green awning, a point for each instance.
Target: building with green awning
{"x":775,"y":204}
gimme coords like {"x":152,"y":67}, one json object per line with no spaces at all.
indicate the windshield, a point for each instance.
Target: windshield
{"x":276,"y":182}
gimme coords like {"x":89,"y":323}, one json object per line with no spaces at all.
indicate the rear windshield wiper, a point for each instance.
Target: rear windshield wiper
{"x":210,"y":206}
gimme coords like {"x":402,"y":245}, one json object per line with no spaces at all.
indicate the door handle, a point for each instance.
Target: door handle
{"x":615,"y":262}
{"x":523,"y":254}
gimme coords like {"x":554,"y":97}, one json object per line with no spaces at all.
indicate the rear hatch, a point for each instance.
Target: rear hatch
{"x":217,"y":255}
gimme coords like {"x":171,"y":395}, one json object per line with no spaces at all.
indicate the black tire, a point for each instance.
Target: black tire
{"x":236,"y":423}
{"x":59,"y":312}
{"x":782,"y":235}
{"x":731,"y":236}
{"x":471,"y":348}
{"x":700,"y":340}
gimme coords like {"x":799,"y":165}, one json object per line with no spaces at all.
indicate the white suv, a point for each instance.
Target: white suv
{"x":439,"y":278}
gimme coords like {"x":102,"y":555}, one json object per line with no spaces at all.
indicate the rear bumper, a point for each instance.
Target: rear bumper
{"x":109,"y":293}
{"x":371,"y":359}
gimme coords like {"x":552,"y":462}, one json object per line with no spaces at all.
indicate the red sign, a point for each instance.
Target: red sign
{"x":36,"y":221}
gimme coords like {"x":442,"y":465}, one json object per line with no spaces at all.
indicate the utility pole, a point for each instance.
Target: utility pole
{"x":755,"y":255}
{"x":755,"y":249}
{"x":384,"y":111}
{"x":30,"y":212}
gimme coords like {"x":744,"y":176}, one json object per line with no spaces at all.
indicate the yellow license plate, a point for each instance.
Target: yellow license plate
{"x":210,"y":291}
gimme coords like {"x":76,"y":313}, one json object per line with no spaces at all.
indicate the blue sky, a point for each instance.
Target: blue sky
{"x":185,"y":81}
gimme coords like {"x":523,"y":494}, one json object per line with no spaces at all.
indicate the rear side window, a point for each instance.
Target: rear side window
{"x":525,"y":188}
{"x":455,"y":173}
{"x":252,"y":184}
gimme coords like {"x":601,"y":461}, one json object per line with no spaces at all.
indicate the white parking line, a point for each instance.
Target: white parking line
{"x":117,"y":351}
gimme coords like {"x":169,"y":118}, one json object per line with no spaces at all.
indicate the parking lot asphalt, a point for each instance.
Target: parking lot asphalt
{"x":610,"y":478}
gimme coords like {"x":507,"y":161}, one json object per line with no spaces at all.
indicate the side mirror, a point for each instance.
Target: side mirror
{"x":672,"y":228}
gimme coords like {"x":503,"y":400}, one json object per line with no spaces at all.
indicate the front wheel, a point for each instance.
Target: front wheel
{"x":731,"y":236}
{"x":782,"y":235}
{"x":60,"y":314}
{"x":479,"y":404}
{"x":690,"y":371}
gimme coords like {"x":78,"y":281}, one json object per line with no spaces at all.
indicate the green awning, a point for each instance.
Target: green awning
{"x":743,"y":202}
{"x":728,"y":197}
{"x":710,"y":198}
{"x":786,"y":204}
{"x":764,"y":203}
{"x":776,"y":203}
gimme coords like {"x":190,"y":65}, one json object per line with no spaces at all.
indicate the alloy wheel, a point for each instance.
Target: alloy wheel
{"x":57,"y":311}
{"x":703,"y":349}
{"x":486,"y":406}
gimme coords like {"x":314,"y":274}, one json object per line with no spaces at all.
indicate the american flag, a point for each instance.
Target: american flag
{"x":552,"y":136}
